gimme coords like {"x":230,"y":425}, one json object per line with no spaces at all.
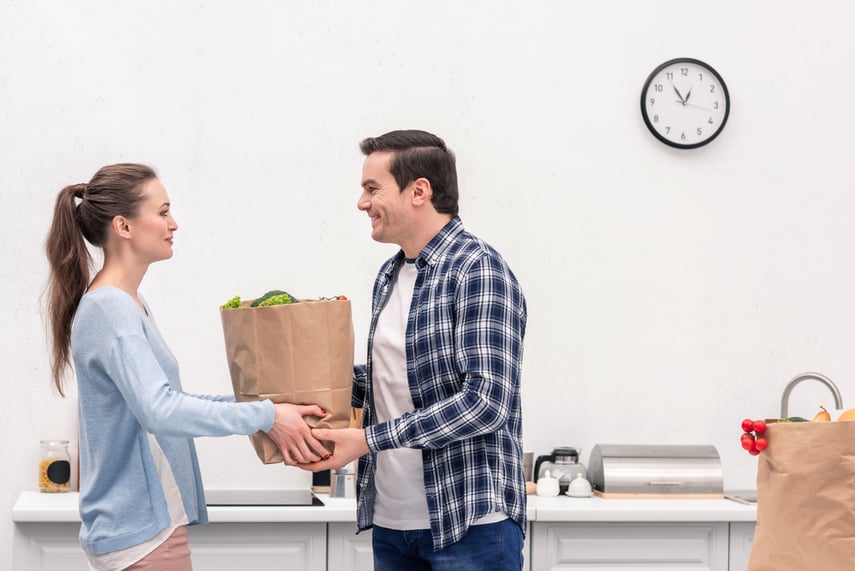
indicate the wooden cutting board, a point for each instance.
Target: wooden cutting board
{"x":627,"y":496}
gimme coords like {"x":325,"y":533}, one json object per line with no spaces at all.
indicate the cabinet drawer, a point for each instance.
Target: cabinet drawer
{"x":614,"y":546}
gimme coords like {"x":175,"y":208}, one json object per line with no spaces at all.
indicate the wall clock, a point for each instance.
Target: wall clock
{"x":685,"y":103}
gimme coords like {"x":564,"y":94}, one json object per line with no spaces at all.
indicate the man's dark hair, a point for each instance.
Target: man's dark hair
{"x":419,"y":154}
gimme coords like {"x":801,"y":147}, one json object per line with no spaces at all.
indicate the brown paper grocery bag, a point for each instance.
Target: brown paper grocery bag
{"x":806,"y":498}
{"x":299,"y":353}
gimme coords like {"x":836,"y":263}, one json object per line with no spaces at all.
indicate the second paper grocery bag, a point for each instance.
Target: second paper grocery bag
{"x":299,"y":353}
{"x":806,"y":498}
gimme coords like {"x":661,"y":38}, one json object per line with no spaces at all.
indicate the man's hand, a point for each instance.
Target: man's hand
{"x":294,"y":437}
{"x":350,"y":444}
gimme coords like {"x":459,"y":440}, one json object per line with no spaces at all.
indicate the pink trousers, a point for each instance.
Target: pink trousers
{"x":172,"y":555}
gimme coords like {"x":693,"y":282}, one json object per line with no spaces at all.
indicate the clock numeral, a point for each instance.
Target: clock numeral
{"x":656,"y":118}
{"x":684,"y":71}
{"x":669,"y":75}
{"x":701,"y":77}
{"x":652,"y":101}
{"x":715,"y":105}
{"x":699,"y":131}
{"x":683,"y":136}
{"x":658,"y":87}
{"x":712,"y":88}
{"x":667,"y":130}
{"x":710,"y":121}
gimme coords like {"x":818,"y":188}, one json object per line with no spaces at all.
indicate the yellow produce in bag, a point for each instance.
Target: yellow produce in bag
{"x":299,"y":353}
{"x":806,"y":498}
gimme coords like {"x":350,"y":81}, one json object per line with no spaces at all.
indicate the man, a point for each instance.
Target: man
{"x":440,"y":474}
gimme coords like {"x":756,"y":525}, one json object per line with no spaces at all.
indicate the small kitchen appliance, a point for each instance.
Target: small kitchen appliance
{"x":562,"y":463}
{"x":656,"y":471}
{"x":295,"y":497}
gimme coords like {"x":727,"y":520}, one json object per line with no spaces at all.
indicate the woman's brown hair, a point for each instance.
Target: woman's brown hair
{"x":84,"y":213}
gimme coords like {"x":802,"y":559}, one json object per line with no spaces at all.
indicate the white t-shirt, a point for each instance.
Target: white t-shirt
{"x":400,"y":502}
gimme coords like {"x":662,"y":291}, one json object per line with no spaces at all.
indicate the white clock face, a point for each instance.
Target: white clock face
{"x":685,"y":103}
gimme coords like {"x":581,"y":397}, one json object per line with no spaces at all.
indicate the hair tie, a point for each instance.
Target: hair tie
{"x":79,"y":189}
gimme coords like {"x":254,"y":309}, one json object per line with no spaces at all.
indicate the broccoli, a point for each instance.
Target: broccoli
{"x":261,"y":301}
{"x":278,"y":299}
{"x":232,"y":303}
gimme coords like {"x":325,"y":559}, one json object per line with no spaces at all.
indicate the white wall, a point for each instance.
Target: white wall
{"x":671,"y":293}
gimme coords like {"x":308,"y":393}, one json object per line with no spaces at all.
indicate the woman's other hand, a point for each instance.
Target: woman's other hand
{"x":294,"y":437}
{"x":350,"y":444}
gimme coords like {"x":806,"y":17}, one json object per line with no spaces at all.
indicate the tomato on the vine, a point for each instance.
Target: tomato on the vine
{"x":759,"y":427}
{"x":747,"y":425}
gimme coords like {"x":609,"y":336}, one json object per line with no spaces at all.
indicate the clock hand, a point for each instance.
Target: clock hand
{"x":698,"y":106}
{"x":689,"y":94}
{"x":677,"y":91}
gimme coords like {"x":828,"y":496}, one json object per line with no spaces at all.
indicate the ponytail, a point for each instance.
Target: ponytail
{"x":83,"y":213}
{"x":70,"y":264}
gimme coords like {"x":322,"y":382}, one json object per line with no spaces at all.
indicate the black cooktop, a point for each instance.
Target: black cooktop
{"x":261,"y":498}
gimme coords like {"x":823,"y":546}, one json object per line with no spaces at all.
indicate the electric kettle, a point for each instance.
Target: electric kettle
{"x":563,"y":464}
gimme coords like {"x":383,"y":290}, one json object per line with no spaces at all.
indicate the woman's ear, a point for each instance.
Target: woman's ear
{"x":121,"y":227}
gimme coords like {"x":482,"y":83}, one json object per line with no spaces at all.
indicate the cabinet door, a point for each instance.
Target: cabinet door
{"x":48,"y":547}
{"x":741,"y":536}
{"x":615,"y":546}
{"x":347,"y":551}
{"x":230,"y":546}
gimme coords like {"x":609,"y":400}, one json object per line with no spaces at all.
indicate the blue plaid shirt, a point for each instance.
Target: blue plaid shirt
{"x":464,"y":345}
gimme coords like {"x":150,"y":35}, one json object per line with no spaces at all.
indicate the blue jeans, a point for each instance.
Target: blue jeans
{"x":494,"y":547}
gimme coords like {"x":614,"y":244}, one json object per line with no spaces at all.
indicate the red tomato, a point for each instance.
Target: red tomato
{"x":754,"y":452}
{"x":759,"y":426}
{"x":342,"y":298}
{"x":761,"y":444}
{"x":747,"y":425}
{"x":747,"y":441}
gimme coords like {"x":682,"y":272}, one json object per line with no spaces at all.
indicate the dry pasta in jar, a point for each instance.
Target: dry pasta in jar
{"x":54,"y":466}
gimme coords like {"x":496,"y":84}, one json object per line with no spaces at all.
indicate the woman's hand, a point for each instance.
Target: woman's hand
{"x":294,"y":437}
{"x":350,"y":444}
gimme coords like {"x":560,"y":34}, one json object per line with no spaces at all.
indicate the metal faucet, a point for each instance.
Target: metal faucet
{"x":838,"y":402}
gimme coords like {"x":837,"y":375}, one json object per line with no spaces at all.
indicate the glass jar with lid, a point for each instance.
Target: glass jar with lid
{"x":54,"y":466}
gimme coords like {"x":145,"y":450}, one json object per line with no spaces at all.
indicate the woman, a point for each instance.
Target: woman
{"x":140,"y":484}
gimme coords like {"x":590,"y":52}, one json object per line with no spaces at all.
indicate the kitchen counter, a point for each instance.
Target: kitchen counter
{"x":39,"y":507}
{"x":57,"y":508}
{"x":595,"y":509}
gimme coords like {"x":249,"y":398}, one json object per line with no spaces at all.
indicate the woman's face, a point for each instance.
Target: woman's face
{"x":153,"y":227}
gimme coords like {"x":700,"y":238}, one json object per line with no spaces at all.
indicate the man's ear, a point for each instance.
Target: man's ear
{"x":422,"y":191}
{"x":121,"y":227}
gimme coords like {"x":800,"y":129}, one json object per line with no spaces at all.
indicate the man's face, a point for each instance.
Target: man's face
{"x":387,"y":207}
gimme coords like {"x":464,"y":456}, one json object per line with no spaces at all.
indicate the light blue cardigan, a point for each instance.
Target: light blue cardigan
{"x":128,"y":385}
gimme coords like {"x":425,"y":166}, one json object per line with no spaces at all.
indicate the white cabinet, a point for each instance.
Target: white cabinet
{"x":616,"y":546}
{"x":347,"y":551}
{"x":48,"y":547}
{"x":230,"y":546}
{"x":215,"y":547}
{"x":741,"y":536}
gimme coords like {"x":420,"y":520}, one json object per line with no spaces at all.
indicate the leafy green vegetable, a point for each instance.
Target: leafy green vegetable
{"x":278,"y":299}
{"x":273,"y":297}
{"x":259,"y":300}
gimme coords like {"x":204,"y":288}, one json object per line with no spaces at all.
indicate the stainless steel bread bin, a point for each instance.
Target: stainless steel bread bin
{"x":657,"y":471}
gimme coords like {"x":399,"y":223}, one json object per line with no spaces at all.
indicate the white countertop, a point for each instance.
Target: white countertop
{"x":38,"y":507}
{"x":595,"y":509}
{"x":62,"y":507}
